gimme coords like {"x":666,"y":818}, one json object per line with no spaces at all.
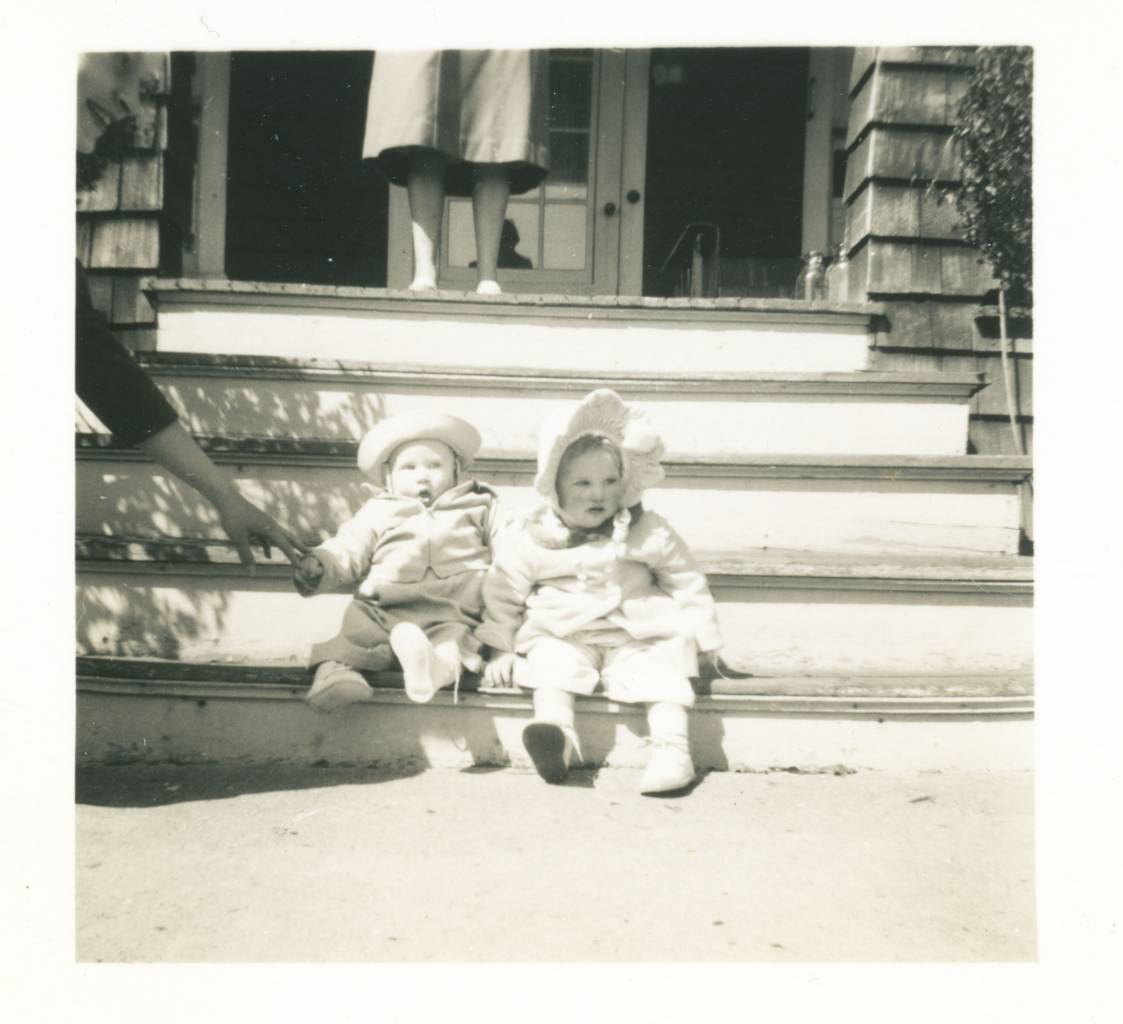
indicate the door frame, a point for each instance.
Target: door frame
{"x":828,"y":110}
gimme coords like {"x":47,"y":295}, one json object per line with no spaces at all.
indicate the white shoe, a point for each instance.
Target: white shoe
{"x":550,"y":747}
{"x":423,"y":284}
{"x":488,"y":288}
{"x":670,"y":768}
{"x":335,"y":685}
{"x":423,"y":671}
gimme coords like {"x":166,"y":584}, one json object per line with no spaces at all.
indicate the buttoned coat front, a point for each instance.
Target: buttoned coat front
{"x":394,"y":539}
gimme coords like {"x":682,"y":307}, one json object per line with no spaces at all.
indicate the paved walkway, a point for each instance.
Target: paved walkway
{"x":262,"y":864}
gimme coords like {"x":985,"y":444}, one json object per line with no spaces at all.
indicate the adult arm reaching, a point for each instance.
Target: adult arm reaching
{"x":127,"y":401}
{"x":244,"y":523}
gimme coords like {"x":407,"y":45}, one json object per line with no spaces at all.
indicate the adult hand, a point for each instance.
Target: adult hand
{"x":179,"y":453}
{"x":245,"y":524}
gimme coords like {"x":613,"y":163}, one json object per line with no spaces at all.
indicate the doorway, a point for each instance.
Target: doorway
{"x":725,"y":148}
{"x":301,"y":204}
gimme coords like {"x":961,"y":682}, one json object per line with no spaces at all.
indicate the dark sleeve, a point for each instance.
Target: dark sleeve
{"x":108,"y":379}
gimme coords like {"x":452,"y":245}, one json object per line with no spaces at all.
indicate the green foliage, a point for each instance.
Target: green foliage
{"x":995,"y":140}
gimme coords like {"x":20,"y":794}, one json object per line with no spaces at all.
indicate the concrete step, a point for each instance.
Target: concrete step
{"x":950,"y":504}
{"x":781,"y":612}
{"x":145,"y":710}
{"x":589,"y":333}
{"x":851,"y":413}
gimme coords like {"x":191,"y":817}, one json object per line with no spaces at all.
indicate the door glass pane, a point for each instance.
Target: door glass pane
{"x":518,"y":245}
{"x":569,"y":166}
{"x":565,"y":237}
{"x":571,"y":90}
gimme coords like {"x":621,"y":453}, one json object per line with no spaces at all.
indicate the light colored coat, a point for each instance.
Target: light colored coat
{"x":642,"y":580}
{"x":394,"y":539}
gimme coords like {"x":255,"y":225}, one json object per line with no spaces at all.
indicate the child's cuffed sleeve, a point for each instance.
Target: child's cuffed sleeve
{"x":507,"y":585}
{"x":678,"y":575}
{"x":346,"y":556}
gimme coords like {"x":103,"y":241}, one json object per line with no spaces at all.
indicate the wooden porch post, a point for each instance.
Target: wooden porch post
{"x":207,"y":256}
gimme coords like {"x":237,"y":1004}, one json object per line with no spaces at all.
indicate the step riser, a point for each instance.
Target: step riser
{"x":134,"y":499}
{"x":118,"y":728}
{"x":534,"y":342}
{"x":508,"y":420}
{"x":771,"y":627}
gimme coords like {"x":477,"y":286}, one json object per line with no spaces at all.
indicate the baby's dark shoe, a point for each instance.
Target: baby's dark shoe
{"x":335,"y":685}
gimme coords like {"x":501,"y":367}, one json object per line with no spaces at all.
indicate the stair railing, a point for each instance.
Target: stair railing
{"x":693,"y":268}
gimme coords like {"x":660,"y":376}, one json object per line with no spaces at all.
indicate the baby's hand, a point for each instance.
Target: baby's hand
{"x":307,"y":574}
{"x":500,"y":671}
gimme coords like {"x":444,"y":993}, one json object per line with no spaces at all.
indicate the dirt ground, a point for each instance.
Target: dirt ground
{"x":212,"y":863}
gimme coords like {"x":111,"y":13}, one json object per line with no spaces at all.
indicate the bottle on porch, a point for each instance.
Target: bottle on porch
{"x":812,"y":283}
{"x":838,"y":274}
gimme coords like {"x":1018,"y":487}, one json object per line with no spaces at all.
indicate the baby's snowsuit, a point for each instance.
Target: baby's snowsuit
{"x":413,"y":563}
{"x":630,"y":608}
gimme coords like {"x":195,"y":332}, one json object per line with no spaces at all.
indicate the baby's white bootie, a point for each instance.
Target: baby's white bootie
{"x":488,"y":287}
{"x":335,"y":685}
{"x":670,"y":767}
{"x":423,"y":670}
{"x":550,"y":746}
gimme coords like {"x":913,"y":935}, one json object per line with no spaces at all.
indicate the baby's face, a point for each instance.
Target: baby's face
{"x":422,"y":470}
{"x":590,"y":489}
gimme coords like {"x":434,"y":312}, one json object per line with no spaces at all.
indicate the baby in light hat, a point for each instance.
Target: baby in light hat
{"x":592,"y":589}
{"x":418,"y":550}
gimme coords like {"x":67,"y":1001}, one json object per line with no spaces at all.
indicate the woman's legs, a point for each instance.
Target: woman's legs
{"x":489,"y":206}
{"x":426,"y":188}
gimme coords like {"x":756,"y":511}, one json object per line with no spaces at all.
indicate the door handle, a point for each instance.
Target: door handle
{"x":633,"y":196}
{"x":609,"y":209}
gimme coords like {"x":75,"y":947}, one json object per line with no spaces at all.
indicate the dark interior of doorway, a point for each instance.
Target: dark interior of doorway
{"x":725,"y":147}
{"x":301,"y":204}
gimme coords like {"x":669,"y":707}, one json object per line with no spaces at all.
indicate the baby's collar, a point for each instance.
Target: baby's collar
{"x":549,"y":530}
{"x":454,"y":492}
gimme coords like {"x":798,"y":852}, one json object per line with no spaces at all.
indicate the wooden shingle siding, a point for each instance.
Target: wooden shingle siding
{"x":130,"y":304}
{"x":894,"y":210}
{"x":105,"y":196}
{"x":132,"y":243}
{"x":906,"y":96}
{"x":910,"y":155}
{"x":866,"y":57}
{"x":101,"y":293}
{"x":885,"y":267}
{"x":906,"y":250}
{"x":142,"y":181}
{"x":120,"y":220}
{"x":83,"y":240}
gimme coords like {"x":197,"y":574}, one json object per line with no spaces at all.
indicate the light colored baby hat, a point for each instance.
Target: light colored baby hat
{"x":601,"y":413}
{"x":379,"y":444}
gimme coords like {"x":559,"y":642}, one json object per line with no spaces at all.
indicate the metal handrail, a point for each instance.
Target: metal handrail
{"x":697,"y":282}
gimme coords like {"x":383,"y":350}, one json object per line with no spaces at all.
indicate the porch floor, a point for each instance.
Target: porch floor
{"x":210,"y":863}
